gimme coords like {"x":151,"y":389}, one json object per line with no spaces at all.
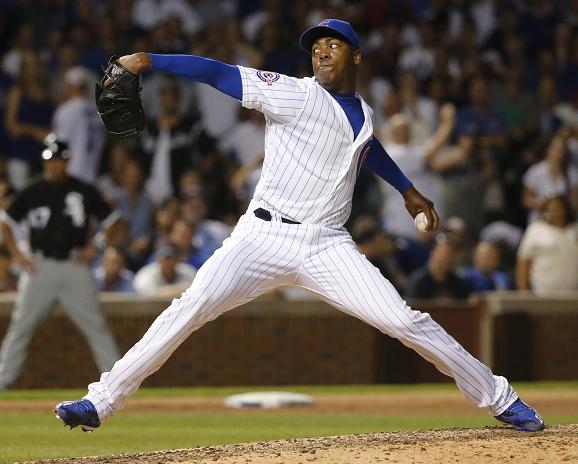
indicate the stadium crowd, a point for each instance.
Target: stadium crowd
{"x":477,"y":101}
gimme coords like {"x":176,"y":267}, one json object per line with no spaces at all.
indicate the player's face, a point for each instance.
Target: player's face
{"x":335,"y":64}
{"x":55,"y":169}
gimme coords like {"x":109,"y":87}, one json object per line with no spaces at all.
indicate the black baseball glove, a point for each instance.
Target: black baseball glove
{"x":118,"y":100}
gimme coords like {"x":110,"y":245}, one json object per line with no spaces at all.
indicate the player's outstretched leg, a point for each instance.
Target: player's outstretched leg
{"x":35,"y":300}
{"x":347,"y":280}
{"x":252,"y":261}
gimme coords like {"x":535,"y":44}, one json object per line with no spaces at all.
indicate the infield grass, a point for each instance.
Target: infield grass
{"x":28,"y":435}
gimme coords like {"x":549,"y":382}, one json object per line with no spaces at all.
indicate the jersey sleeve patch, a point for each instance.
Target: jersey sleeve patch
{"x":268,"y":77}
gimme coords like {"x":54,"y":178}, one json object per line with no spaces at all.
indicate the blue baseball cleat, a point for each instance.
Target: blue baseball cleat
{"x":78,"y":413}
{"x":522,"y":417}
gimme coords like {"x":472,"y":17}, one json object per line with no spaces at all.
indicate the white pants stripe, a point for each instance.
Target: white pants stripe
{"x":262,"y":255}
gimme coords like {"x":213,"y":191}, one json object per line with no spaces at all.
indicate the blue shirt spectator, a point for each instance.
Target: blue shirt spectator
{"x":484,"y":275}
{"x":111,"y":275}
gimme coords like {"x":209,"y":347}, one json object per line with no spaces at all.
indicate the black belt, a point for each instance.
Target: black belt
{"x":58,"y":256}
{"x":266,"y":216}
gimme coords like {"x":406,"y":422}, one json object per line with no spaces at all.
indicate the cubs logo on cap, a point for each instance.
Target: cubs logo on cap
{"x":329,"y":28}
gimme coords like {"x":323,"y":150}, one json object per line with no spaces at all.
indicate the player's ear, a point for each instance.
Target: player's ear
{"x":357,"y":56}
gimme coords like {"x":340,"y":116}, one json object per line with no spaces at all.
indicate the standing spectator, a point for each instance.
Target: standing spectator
{"x":146,"y":14}
{"x":420,"y":110}
{"x":59,"y":210}
{"x":485,"y":275}
{"x":417,"y":160}
{"x":112,"y":275}
{"x":77,"y":123}
{"x":166,"y":274}
{"x":439,"y":279}
{"x":548,"y":254}
{"x":552,"y":176}
{"x":419,"y":57}
{"x":471,"y":168}
{"x":137,"y":210}
{"x":28,"y":116}
{"x":173,"y":142}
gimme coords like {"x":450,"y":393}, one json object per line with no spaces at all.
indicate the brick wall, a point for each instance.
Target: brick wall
{"x":271,"y":342}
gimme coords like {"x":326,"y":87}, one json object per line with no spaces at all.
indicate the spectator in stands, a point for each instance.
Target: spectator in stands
{"x":28,"y":118}
{"x":438,"y":279}
{"x":194,"y":209}
{"x":378,"y":248}
{"x":548,"y":254}
{"x":421,"y":111}
{"x":112,"y":275}
{"x":194,"y":248}
{"x":77,"y":123}
{"x":416,"y":160}
{"x":172,"y":142}
{"x":244,"y":145}
{"x":485,"y":275}
{"x":137,"y":210}
{"x":164,"y":219}
{"x":166,"y":274}
{"x":471,"y":169}
{"x":110,"y":182}
{"x":8,"y":280}
{"x":552,"y":176}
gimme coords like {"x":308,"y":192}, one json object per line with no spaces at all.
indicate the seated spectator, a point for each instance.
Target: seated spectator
{"x":164,"y":219}
{"x":112,"y":275}
{"x":8,"y":280}
{"x":378,"y":248}
{"x":553,"y":176}
{"x":137,"y":210}
{"x":194,"y":209}
{"x":548,"y":254}
{"x":413,"y":254}
{"x":484,"y":275}
{"x":166,"y":274}
{"x":438,"y":279}
{"x":194,"y":247}
{"x":109,"y":183}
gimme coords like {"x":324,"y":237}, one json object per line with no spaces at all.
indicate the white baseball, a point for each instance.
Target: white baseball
{"x":420,"y":221}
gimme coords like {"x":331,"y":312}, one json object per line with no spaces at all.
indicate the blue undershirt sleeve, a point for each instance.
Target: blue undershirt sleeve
{"x":221,"y":76}
{"x":380,"y":163}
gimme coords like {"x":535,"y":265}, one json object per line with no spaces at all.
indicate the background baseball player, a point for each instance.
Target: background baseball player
{"x":319,"y":133}
{"x":58,"y":210}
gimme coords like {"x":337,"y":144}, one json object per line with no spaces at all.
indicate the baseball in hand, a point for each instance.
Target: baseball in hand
{"x":420,"y":221}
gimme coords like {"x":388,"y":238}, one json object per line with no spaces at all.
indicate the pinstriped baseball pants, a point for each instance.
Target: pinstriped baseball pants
{"x":262,"y":255}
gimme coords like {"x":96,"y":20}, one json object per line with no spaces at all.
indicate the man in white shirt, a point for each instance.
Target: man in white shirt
{"x":165,"y":275}
{"x":76,"y":122}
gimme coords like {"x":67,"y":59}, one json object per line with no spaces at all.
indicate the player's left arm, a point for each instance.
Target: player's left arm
{"x":380,"y":163}
{"x":221,"y":76}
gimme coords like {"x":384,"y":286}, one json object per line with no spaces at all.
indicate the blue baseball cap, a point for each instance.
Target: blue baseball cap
{"x":329,"y":28}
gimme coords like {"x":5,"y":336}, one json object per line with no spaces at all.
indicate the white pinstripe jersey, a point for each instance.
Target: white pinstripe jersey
{"x":311,"y":156}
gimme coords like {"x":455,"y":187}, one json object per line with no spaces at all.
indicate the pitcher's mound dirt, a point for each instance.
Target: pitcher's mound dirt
{"x":556,"y":444}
